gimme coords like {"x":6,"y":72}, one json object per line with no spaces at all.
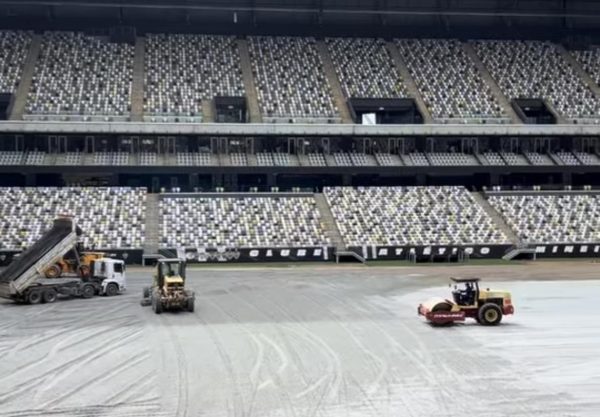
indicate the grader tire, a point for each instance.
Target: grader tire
{"x":190,"y":305}
{"x":489,"y":314}
{"x":146,"y":292}
{"x":156,"y":306}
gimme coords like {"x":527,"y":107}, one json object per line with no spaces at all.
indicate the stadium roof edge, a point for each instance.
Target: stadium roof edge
{"x":323,"y":8}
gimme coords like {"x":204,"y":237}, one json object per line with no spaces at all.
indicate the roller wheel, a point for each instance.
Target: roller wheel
{"x":53,"y":271}
{"x":112,"y":289}
{"x":490,"y":314}
{"x":49,"y":296}
{"x":88,"y":291}
{"x":34,"y":297}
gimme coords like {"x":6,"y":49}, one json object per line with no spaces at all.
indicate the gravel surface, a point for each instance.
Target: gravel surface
{"x":309,"y":342}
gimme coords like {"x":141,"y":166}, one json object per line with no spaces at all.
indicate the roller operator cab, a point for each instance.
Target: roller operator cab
{"x":484,"y":305}
{"x":168,"y":287}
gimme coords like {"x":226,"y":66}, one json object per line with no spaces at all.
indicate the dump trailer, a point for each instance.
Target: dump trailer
{"x":24,"y":280}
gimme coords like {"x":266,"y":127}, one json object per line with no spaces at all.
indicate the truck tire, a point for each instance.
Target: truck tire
{"x":190,"y":304}
{"x":489,"y":314}
{"x":34,"y":297}
{"x":88,"y":291}
{"x":112,"y":289}
{"x":53,"y":271}
{"x":146,"y":292}
{"x":84,"y":271}
{"x":49,"y":296}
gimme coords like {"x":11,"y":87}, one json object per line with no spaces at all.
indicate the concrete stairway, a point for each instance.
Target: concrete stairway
{"x":152,"y":226}
{"x":587,"y":79}
{"x":409,"y":82}
{"x":249,"y":86}
{"x":137,"y":87}
{"x":208,"y":114}
{"x":336,"y":88}
{"x":496,"y":218}
{"x":329,"y":222}
{"x":330,"y":160}
{"x":26,"y":78}
{"x":490,"y":82}
{"x":303,"y":160}
{"x":252,"y":159}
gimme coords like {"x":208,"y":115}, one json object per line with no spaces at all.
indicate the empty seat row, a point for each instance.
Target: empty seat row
{"x":410,"y":216}
{"x":557,"y":218}
{"x":242,"y":222}
{"x":79,"y":75}
{"x":110,"y":218}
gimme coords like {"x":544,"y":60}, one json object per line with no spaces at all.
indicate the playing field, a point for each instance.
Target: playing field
{"x":310,"y":341}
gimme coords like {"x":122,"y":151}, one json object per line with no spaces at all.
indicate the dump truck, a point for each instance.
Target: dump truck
{"x":23,"y":280}
{"x":168,"y":288}
{"x":486,"y":306}
{"x":74,"y":263}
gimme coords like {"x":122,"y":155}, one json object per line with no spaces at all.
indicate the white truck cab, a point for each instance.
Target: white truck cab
{"x":110,"y":273}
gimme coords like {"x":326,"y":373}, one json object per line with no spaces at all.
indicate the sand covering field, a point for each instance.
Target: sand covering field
{"x":308,"y":342}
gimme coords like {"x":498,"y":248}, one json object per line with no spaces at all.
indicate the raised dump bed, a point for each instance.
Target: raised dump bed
{"x":25,"y":271}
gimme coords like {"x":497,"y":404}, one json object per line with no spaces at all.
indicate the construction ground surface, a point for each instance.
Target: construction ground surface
{"x":310,"y":341}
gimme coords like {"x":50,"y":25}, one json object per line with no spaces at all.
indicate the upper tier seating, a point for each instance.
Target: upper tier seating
{"x":79,"y":77}
{"x":290,"y":80}
{"x":14,"y":47}
{"x":365,"y":68}
{"x":533,"y":69}
{"x":183,"y":70}
{"x":590,"y":61}
{"x":449,"y":81}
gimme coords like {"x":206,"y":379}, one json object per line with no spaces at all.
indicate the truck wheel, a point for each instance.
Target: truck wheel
{"x":88,"y":291}
{"x":190,"y":305}
{"x":53,"y":271}
{"x":34,"y":297}
{"x":489,"y":314}
{"x":112,"y":289}
{"x":49,"y":296}
{"x":84,"y":271}
{"x":146,"y":292}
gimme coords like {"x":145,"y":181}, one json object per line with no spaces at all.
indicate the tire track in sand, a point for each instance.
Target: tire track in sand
{"x":290,"y":348}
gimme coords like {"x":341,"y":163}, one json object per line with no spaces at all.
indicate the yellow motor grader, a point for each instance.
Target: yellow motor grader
{"x":168,"y":288}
